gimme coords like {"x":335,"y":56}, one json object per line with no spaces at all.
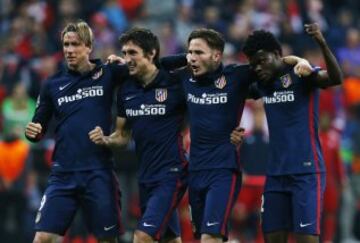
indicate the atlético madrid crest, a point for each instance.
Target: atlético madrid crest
{"x":97,"y":74}
{"x":161,"y":95}
{"x":286,"y":80}
{"x":220,"y":82}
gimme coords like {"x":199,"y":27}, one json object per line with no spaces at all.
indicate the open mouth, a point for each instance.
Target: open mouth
{"x":195,"y":68}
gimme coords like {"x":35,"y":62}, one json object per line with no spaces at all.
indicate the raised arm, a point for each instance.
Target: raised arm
{"x":119,"y":137}
{"x":333,"y":75}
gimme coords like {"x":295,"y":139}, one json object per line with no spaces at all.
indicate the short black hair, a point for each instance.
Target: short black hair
{"x":261,"y":40}
{"x":143,"y":38}
{"x":214,"y":39}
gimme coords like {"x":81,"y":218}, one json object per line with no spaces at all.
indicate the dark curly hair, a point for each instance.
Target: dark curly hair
{"x":143,"y":38}
{"x":261,"y":40}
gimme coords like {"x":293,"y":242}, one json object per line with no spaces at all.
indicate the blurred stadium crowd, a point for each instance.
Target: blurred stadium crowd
{"x":30,"y":51}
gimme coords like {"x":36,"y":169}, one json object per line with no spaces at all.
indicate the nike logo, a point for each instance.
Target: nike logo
{"x":208,"y":224}
{"x":63,"y":87}
{"x":304,"y":225}
{"x":109,"y":228}
{"x":130,"y":97}
{"x":148,"y":225}
{"x":192,"y":80}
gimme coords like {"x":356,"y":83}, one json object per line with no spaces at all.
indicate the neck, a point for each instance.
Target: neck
{"x":149,"y":76}
{"x":84,"y":67}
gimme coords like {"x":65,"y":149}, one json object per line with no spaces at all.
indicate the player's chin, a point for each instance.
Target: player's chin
{"x":197,"y":72}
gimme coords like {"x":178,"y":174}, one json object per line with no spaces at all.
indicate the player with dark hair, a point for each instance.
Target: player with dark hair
{"x":295,"y":181}
{"x":151,"y":104}
{"x":215,"y":97}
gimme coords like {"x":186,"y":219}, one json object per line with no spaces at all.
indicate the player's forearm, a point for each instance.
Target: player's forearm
{"x":173,"y":62}
{"x":332,"y":66}
{"x":291,"y":60}
{"x":117,"y":139}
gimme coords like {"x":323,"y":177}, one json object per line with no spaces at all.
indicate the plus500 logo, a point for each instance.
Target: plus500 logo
{"x":147,"y":110}
{"x":81,"y":94}
{"x":280,"y":97}
{"x":208,"y":99}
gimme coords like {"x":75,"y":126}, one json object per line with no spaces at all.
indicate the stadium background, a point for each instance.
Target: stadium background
{"x":30,"y":51}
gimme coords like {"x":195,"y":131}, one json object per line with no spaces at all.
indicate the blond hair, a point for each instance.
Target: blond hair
{"x":82,"y":29}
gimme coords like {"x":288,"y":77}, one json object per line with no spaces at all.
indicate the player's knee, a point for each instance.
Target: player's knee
{"x":171,"y":240}
{"x":142,"y":237}
{"x":206,"y":238}
{"x":108,"y":240}
{"x":42,"y":237}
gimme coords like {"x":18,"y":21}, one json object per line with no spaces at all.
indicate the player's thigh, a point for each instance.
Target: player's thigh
{"x":221,"y":196}
{"x":308,"y":192}
{"x":198,"y":185}
{"x":102,"y":203}
{"x":158,"y":210}
{"x":58,"y":204}
{"x":276,"y":206}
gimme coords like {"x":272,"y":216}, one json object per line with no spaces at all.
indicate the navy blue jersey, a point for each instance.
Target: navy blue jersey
{"x":155,"y":115}
{"x":79,"y":102}
{"x":215,"y":105}
{"x":291,"y":105}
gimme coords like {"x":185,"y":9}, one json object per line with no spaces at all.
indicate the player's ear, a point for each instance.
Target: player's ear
{"x":89,"y":49}
{"x":218,"y":56}
{"x":152,"y":55}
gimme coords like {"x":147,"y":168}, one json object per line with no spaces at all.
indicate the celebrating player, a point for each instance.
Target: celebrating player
{"x":295,"y":181}
{"x":151,"y":104}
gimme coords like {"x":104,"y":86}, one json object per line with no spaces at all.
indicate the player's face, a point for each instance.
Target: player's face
{"x":75,"y":51}
{"x":266,"y":65}
{"x":136,"y":60}
{"x":201,"y":58}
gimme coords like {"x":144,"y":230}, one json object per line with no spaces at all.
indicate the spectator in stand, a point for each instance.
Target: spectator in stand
{"x":17,"y":110}
{"x":335,"y":175}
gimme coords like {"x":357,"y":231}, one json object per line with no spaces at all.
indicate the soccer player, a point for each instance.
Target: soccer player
{"x":215,"y":96}
{"x":295,"y":181}
{"x":151,"y":104}
{"x":82,"y":175}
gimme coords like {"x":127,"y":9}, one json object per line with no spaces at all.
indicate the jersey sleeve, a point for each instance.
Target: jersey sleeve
{"x":173,"y":62}
{"x":44,"y":110}
{"x":120,"y":72}
{"x":253,"y":92}
{"x":120,"y":106}
{"x":309,"y":80}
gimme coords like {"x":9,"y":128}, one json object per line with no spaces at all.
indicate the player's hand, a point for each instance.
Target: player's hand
{"x":115,"y":59}
{"x":303,"y":68}
{"x":237,"y":136}
{"x":97,"y":136}
{"x":314,"y":31}
{"x":32,"y":130}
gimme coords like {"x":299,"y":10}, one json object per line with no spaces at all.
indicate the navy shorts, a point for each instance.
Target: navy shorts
{"x":158,"y":202}
{"x":212,"y":194}
{"x":293,"y":203}
{"x":96,"y":192}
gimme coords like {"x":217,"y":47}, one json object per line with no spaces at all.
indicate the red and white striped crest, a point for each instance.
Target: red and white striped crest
{"x":161,"y":95}
{"x":220,"y":82}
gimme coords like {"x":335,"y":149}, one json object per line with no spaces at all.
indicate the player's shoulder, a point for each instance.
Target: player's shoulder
{"x":230,"y":68}
{"x":54,"y":78}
